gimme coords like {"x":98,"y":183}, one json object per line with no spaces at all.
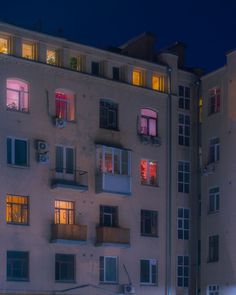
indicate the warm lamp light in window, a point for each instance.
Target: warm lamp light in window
{"x":64,"y":105}
{"x":137,"y":78}
{"x":28,"y":50}
{"x":4,"y":45}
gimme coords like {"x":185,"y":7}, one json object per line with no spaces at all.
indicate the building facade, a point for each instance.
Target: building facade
{"x":99,"y":160}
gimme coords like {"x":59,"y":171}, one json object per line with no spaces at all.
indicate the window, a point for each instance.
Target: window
{"x":213,"y":248}
{"x":214,"y":200}
{"x":64,"y":212}
{"x":184,"y":129}
{"x":113,"y":160}
{"x":52,"y":57}
{"x":148,"y":172}
{"x":183,"y":177}
{"x":17,"y":209}
{"x":74,"y":63}
{"x":137,"y":78}
{"x":148,"y":122}
{"x":65,"y":104}
{"x":148,"y":271}
{"x":95,"y":68}
{"x":17,"y":266}
{"x":158,"y":83}
{"x":17,"y":151}
{"x":17,"y":95}
{"x":108,"y":216}
{"x":184,"y":97}
{"x":108,"y":115}
{"x":214,"y":101}
{"x":28,"y":50}
{"x":149,"y":223}
{"x":213,"y":290}
{"x":108,"y":269}
{"x":214,"y":150}
{"x":183,"y":271}
{"x":77,"y":63}
{"x":4,"y":45}
{"x":183,"y":224}
{"x":65,"y":161}
{"x":116,"y":73}
{"x":65,"y":267}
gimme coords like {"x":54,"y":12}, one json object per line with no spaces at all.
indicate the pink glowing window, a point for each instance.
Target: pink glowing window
{"x":64,"y":104}
{"x":17,"y":95}
{"x":148,"y":172}
{"x":148,"y":122}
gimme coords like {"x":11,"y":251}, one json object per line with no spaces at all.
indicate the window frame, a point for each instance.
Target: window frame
{"x":139,"y":79}
{"x":12,"y":156}
{"x":51,"y":61}
{"x":213,"y":248}
{"x":104,"y":212}
{"x":102,"y":270}
{"x":151,"y":273}
{"x":24,"y":261}
{"x":160,"y":82}
{"x":214,"y":200}
{"x":59,"y":262}
{"x":33,"y":48}
{"x":183,"y":224}
{"x":184,"y":129}
{"x":68,"y":102}
{"x":214,"y":100}
{"x":184,"y":97}
{"x":214,"y":150}
{"x":108,"y":109}
{"x":152,"y":219}
{"x":185,"y":174}
{"x":148,"y":177}
{"x":95,"y":68}
{"x":68,"y":212}
{"x":21,"y":207}
{"x":183,"y":271}
{"x":8,"y":41}
{"x":148,"y":119}
{"x":66,"y":169}
{"x":215,"y":289}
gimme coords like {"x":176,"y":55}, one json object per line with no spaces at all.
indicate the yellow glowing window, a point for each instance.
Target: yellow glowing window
{"x":28,"y":50}
{"x":158,"y":83}
{"x":137,"y":78}
{"x":4,"y":45}
{"x":17,"y":209}
{"x":200,"y":109}
{"x":64,"y":212}
{"x":52,"y":57}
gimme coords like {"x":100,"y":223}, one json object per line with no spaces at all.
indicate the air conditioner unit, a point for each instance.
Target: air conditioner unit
{"x":60,"y":123}
{"x":41,"y":146}
{"x":43,"y":158}
{"x":156,"y":140}
{"x":129,"y":289}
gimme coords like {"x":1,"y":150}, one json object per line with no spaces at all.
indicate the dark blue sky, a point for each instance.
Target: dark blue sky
{"x":208,"y":27}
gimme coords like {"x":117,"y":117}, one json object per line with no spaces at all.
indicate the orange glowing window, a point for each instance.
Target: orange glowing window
{"x":28,"y":50}
{"x":65,"y":104}
{"x":64,"y":212}
{"x":158,"y":83}
{"x":148,"y":172}
{"x":17,"y":209}
{"x":52,"y":57}
{"x":4,"y":45}
{"x":137,"y":78}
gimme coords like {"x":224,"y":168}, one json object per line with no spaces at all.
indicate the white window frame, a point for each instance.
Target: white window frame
{"x":183,"y":277}
{"x":151,"y":263}
{"x":13,"y":159}
{"x":184,"y":97}
{"x":216,"y":149}
{"x":213,"y":289}
{"x":214,"y":193}
{"x":64,"y":168}
{"x":184,"y":182}
{"x":104,"y":269}
{"x":184,"y":135}
{"x":183,"y":220}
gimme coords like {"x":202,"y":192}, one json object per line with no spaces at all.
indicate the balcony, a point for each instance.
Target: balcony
{"x":69,"y":179}
{"x":148,"y":139}
{"x":113,"y":236}
{"x":113,"y":183}
{"x":68,"y":233}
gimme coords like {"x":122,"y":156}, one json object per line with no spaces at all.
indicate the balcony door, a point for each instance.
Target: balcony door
{"x":65,"y":162}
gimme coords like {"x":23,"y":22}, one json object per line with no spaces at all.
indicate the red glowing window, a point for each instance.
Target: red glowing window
{"x":148,"y":122}
{"x":148,"y":172}
{"x":64,"y":104}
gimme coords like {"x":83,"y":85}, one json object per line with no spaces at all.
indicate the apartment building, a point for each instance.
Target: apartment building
{"x":99,"y":163}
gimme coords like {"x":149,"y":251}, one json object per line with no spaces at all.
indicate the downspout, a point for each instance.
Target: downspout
{"x":169,"y":187}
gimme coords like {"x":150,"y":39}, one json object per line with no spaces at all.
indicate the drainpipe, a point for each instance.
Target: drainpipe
{"x":169,"y":188}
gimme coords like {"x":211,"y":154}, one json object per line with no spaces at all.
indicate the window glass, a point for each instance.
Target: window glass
{"x":108,"y":115}
{"x":108,"y":269}
{"x":148,"y":223}
{"x":17,"y":151}
{"x":65,"y":267}
{"x":17,"y":266}
{"x":4,"y":45}
{"x":109,"y":216}
{"x":137,"y":78}
{"x":148,"y":122}
{"x":52,"y":57}
{"x":95,"y":68}
{"x":64,"y":212}
{"x":148,"y":172}
{"x":17,"y":95}
{"x":17,"y":209}
{"x":158,"y":83}
{"x":65,"y":160}
{"x":64,"y":104}
{"x":148,"y":271}
{"x":28,"y":50}
{"x":183,"y":271}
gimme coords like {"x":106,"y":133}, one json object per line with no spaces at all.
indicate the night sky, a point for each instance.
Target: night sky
{"x":208,"y":27}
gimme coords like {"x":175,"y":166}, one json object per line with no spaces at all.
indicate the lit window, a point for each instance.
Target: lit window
{"x":149,"y":223}
{"x":214,"y":200}
{"x":52,"y":57}
{"x":148,"y":172}
{"x":64,"y":212}
{"x":158,"y":83}
{"x":183,"y":224}
{"x":213,"y":290}
{"x":17,"y":266}
{"x":108,"y":114}
{"x":65,"y":160}
{"x":109,"y":216}
{"x":17,"y":151}
{"x":108,"y":269}
{"x":214,"y":150}
{"x":113,"y":160}
{"x":65,"y":267}
{"x":28,"y":50}
{"x":148,"y":271}
{"x":65,"y":104}
{"x":184,"y":97}
{"x":148,"y":122}
{"x":4,"y":45}
{"x":183,"y":271}
{"x":17,"y":209}
{"x":184,"y":130}
{"x":200,"y":106}
{"x":214,"y":101}
{"x":213,"y":250}
{"x":183,"y":177}
{"x":17,"y":95}
{"x":137,"y":78}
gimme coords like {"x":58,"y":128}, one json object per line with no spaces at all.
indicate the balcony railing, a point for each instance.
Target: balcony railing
{"x":70,"y":179}
{"x":68,"y":232}
{"x":113,"y":235}
{"x":149,"y":139}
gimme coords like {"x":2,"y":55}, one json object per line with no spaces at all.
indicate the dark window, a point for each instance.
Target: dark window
{"x":108,"y":216}
{"x":17,"y":151}
{"x":73,"y":63}
{"x":184,"y":97}
{"x":184,"y":130}
{"x":183,"y":224}
{"x":214,"y":150}
{"x":65,"y":160}
{"x":108,"y":115}
{"x":17,"y":266}
{"x":65,"y":267}
{"x":149,"y":223}
{"x":183,"y":177}
{"x":148,"y":271}
{"x":116,"y":73}
{"x":183,"y":271}
{"x":95,"y":68}
{"x":214,"y":101}
{"x":214,"y":200}
{"x":108,"y":269}
{"x":213,"y":248}
{"x":17,"y":210}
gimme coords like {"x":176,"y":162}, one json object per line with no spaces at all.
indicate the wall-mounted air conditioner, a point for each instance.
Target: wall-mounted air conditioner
{"x":43,"y":158}
{"x":129,"y":289}
{"x":41,"y":146}
{"x":60,"y":123}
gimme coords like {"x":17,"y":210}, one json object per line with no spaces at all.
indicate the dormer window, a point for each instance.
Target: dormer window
{"x":137,"y":78}
{"x":4,"y":45}
{"x":28,"y":50}
{"x":52,"y":57}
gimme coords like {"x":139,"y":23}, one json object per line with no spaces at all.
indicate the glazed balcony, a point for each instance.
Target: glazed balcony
{"x":115,"y":236}
{"x":69,"y":179}
{"x":63,"y":233}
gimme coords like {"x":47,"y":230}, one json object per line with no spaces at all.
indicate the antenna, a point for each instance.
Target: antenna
{"x":129,"y":279}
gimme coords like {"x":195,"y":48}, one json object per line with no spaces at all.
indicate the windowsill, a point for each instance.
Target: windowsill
{"x":108,"y":283}
{"x":65,"y":281}
{"x":17,"y":223}
{"x":17,"y":111}
{"x":149,"y":236}
{"x":213,"y":212}
{"x":18,"y":280}
{"x":148,"y":285}
{"x":150,"y":185}
{"x":110,"y":129}
{"x":17,"y":166}
{"x":210,"y":114}
{"x":212,"y":261}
